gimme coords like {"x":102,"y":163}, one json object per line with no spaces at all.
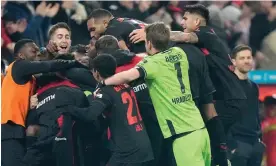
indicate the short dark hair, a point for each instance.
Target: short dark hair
{"x":198,"y":9}
{"x":105,"y":64}
{"x":79,"y":48}
{"x":158,"y":34}
{"x":99,"y":13}
{"x":106,"y":44}
{"x":58,"y":26}
{"x":20,"y":44}
{"x":238,"y":49}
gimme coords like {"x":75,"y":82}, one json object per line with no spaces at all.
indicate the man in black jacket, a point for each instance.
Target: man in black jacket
{"x":244,"y":139}
{"x":55,"y":128}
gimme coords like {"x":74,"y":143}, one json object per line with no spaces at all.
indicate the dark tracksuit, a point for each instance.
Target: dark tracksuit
{"x":89,"y":134}
{"x":55,"y":143}
{"x":13,"y":135}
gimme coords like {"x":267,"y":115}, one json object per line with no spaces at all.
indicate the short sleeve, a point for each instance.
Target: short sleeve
{"x":149,"y":67}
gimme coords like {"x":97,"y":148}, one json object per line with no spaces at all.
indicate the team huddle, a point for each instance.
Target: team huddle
{"x":121,"y":108}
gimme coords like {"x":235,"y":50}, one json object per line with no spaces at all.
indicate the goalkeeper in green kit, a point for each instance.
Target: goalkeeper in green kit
{"x":166,"y":74}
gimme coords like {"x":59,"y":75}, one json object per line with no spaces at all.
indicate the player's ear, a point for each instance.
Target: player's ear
{"x":149,"y":45}
{"x":105,"y":23}
{"x":233,"y":61}
{"x":197,"y":21}
{"x":21,"y":56}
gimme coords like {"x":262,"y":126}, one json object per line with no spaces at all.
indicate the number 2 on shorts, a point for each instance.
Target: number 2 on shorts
{"x":179,"y":76}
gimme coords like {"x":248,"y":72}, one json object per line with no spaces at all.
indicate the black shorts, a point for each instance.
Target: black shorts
{"x":229,"y":111}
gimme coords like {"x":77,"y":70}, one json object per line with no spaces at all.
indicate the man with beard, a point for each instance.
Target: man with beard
{"x":244,"y":137}
{"x":102,"y":22}
{"x":17,"y":87}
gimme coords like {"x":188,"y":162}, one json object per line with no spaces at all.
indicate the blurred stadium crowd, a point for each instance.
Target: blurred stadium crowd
{"x":236,"y":22}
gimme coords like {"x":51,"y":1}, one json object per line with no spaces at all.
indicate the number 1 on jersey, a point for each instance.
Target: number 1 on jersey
{"x":179,"y":76}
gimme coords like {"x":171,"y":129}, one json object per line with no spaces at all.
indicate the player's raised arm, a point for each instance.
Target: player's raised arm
{"x":90,"y":113}
{"x":123,"y":77}
{"x":147,"y":69}
{"x":101,"y":102}
{"x":139,"y":35}
{"x":179,"y":36}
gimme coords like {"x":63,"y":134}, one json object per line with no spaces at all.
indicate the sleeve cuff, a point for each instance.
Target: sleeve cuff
{"x":142,"y":72}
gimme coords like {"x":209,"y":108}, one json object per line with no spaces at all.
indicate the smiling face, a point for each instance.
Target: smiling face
{"x":243,"y":61}
{"x":63,"y":39}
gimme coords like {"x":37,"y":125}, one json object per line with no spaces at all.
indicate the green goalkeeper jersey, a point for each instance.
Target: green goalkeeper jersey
{"x":166,"y":74}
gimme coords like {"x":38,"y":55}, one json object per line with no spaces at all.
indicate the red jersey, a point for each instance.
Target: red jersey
{"x":130,"y":65}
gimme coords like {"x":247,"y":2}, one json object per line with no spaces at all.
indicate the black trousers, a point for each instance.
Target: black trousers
{"x":55,"y":145}
{"x":247,"y":154}
{"x":12,"y":152}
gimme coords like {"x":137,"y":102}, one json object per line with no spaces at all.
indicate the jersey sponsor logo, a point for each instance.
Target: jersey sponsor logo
{"x":139,"y":87}
{"x":173,"y":58}
{"x":45,"y":100}
{"x":60,"y":139}
{"x":182,"y":99}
